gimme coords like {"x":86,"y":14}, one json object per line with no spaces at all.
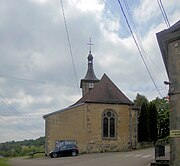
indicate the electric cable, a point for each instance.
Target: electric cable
{"x":29,"y":80}
{"x":69,"y":44}
{"x":111,"y":10}
{"x":139,"y":50}
{"x":18,"y":127}
{"x":139,"y":40}
{"x":163,"y":12}
{"x":16,"y":112}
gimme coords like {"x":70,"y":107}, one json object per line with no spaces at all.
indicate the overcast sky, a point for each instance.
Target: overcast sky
{"x":36,"y":70}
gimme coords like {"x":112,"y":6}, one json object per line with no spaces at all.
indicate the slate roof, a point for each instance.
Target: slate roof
{"x":62,"y":110}
{"x":90,"y":75}
{"x":105,"y":92}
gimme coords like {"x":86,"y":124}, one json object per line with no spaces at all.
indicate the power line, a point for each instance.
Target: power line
{"x":138,"y":47}
{"x":19,"y":127}
{"x":163,"y":12}
{"x":4,"y":115}
{"x":139,"y":40}
{"x":34,"y":81}
{"x":69,"y":43}
{"x":111,"y":10}
{"x":16,"y":112}
{"x":29,"y":80}
{"x":149,"y":91}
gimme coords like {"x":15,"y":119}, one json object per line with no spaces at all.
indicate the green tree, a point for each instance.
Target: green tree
{"x":163,"y":116}
{"x":21,"y":148}
{"x":3,"y":147}
{"x":140,"y":99}
{"x":143,"y":125}
{"x":153,"y":121}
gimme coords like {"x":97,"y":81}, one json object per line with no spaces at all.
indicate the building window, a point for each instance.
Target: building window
{"x":109,"y":124}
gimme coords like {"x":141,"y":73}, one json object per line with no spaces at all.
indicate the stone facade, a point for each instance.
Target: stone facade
{"x":69,"y":124}
{"x":174,"y":71}
{"x":102,"y":120}
{"x":169,"y":43}
{"x":84,"y":125}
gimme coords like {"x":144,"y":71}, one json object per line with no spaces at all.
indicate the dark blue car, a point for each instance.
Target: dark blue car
{"x":66,"y":150}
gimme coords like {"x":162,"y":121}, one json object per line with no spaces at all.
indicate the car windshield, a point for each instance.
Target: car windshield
{"x":56,"y":149}
{"x":70,"y":146}
{"x":63,"y":147}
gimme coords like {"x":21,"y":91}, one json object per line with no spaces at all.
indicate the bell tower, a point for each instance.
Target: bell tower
{"x":89,"y":81}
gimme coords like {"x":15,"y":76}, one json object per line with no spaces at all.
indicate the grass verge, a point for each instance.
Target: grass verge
{"x":4,"y":162}
{"x":36,"y":155}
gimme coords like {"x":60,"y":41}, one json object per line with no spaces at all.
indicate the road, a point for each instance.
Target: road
{"x":132,"y":158}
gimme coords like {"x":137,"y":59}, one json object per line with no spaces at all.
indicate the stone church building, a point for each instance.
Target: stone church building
{"x":102,"y":120}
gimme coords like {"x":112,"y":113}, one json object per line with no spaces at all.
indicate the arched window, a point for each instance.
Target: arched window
{"x":109,"y":124}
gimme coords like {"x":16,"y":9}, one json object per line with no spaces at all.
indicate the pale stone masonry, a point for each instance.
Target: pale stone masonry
{"x":83,"y":124}
{"x":102,"y":120}
{"x":169,"y":42}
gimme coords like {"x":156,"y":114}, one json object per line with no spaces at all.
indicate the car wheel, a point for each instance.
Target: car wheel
{"x":74,"y":153}
{"x":54,"y":155}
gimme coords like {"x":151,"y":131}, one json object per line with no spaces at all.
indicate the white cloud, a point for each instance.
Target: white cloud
{"x":146,"y":11}
{"x":33,"y":45}
{"x":40,"y":1}
{"x":86,"y":5}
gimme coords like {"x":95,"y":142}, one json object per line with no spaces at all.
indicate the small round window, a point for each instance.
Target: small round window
{"x":109,"y":114}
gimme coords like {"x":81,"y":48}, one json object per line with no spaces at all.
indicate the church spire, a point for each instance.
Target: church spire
{"x":90,"y":78}
{"x":90,"y":75}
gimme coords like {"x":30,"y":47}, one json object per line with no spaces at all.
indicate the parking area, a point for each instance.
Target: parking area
{"x":137,"y":157}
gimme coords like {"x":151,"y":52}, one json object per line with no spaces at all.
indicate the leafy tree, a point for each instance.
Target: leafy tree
{"x":153,"y":121}
{"x":153,"y":118}
{"x":20,"y":148}
{"x":140,"y":99}
{"x":163,"y":116}
{"x":3,"y":147}
{"x":143,"y":125}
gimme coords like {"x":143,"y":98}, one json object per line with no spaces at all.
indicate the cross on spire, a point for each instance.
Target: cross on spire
{"x":90,"y":44}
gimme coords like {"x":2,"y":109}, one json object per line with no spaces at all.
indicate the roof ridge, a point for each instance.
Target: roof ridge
{"x":105,"y":92}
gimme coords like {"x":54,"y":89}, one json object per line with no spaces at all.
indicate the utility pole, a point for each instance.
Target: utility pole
{"x":169,"y":43}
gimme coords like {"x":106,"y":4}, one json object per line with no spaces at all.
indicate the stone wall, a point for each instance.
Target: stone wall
{"x":66,"y":125}
{"x":84,"y":125}
{"x":95,"y":142}
{"x":174,"y":76}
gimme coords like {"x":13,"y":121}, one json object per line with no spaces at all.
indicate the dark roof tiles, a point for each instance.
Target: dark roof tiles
{"x":105,"y":92}
{"x":90,"y":75}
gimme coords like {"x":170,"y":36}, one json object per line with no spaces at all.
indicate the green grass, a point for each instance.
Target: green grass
{"x":38,"y":155}
{"x":3,"y":162}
